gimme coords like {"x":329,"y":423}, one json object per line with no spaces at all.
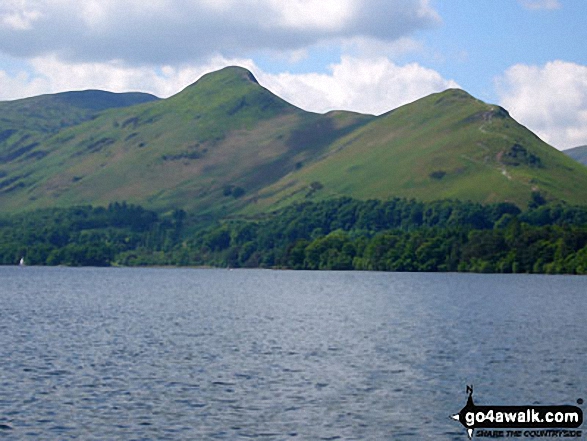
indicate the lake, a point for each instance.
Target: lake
{"x":212,"y":354}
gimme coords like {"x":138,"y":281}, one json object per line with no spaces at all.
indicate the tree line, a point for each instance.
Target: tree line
{"x":337,"y":234}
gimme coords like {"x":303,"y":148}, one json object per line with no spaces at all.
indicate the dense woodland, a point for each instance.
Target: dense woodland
{"x":340,"y":234}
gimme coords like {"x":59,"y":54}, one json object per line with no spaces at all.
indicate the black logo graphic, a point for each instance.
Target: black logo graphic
{"x":517,"y":417}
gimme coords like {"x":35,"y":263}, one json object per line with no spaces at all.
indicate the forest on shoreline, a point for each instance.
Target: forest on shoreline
{"x":337,"y":234}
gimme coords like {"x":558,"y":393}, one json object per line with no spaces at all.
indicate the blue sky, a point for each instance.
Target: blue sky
{"x":364,"y":55}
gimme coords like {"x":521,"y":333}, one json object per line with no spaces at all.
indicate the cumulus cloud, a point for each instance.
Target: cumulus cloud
{"x":49,"y":74}
{"x":540,"y":4}
{"x":20,"y":84}
{"x":372,"y":47}
{"x":551,"y":100}
{"x":363,"y":85}
{"x":368,"y":85}
{"x":15,"y":18}
{"x":161,"y":46}
{"x":179,"y":31}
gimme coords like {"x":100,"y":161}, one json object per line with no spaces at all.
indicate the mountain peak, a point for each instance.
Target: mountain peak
{"x":229,"y":76}
{"x":232,"y":92}
{"x":238,"y":72}
{"x":453,"y":95}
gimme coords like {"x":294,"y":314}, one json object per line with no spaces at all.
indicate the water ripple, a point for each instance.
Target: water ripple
{"x":127,"y":354}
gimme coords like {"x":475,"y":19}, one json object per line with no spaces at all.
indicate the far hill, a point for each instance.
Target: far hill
{"x":27,"y":123}
{"x":50,"y":113}
{"x":578,"y":154}
{"x":226,"y":145}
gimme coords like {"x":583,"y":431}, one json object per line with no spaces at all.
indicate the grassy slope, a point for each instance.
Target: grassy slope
{"x":578,"y":154}
{"x":47,"y":114}
{"x":447,"y":145}
{"x":226,"y":131}
{"x":27,"y":124}
{"x":181,"y":152}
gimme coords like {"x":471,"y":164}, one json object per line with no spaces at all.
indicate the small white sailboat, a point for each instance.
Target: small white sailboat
{"x":21,"y":263}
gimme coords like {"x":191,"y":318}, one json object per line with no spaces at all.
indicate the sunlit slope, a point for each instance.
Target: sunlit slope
{"x":208,"y":148}
{"x":27,"y":124}
{"x":226,"y":145}
{"x":447,"y":145}
{"x":36,"y":118}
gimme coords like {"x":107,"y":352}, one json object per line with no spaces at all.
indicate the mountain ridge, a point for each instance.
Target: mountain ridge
{"x":225,"y":145}
{"x":481,"y":154}
{"x":65,"y":102}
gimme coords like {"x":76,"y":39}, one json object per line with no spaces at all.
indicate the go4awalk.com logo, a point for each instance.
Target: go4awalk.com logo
{"x":520,"y":421}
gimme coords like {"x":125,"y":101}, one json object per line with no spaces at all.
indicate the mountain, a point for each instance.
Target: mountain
{"x":578,"y":154}
{"x":47,"y":114}
{"x":27,"y":123}
{"x":223,"y":133}
{"x":446,"y":145}
{"x":226,"y":145}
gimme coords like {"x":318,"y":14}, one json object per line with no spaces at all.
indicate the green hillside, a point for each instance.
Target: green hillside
{"x":219,"y":139}
{"x":447,"y":145}
{"x":226,"y":146}
{"x":27,"y":124}
{"x":47,"y":114}
{"x":578,"y":154}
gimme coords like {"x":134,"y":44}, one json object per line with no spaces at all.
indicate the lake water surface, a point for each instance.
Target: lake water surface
{"x":195,"y":354}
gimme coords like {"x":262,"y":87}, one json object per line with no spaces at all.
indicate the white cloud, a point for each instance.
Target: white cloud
{"x":16,"y":16}
{"x":161,"y":46}
{"x":19,"y":85}
{"x":49,"y":74}
{"x":363,"y":85}
{"x":329,"y":15}
{"x":540,"y":4}
{"x":372,"y":47}
{"x":161,"y":32}
{"x":368,"y":85}
{"x":551,"y":100}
